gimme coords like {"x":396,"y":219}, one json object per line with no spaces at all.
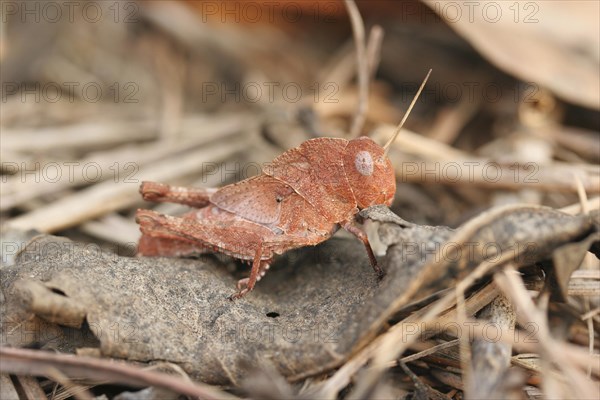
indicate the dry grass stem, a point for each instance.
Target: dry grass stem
{"x":109,"y":196}
{"x":358,"y":30}
{"x":31,"y":362}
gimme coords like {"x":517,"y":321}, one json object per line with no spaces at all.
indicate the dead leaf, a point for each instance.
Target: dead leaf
{"x":567,"y":259}
{"x":553,"y":44}
{"x":314,"y":308}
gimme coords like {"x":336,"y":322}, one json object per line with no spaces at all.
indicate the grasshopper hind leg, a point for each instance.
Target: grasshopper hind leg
{"x":163,"y":193}
{"x":177,"y":235}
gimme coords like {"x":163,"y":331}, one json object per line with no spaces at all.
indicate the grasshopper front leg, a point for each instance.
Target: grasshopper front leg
{"x":258,"y":270}
{"x":356,"y":231}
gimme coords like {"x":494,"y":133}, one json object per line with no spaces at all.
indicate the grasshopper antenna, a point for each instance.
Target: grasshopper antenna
{"x":406,"y":114}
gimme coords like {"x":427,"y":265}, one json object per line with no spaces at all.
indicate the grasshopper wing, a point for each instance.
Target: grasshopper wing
{"x":256,"y":199}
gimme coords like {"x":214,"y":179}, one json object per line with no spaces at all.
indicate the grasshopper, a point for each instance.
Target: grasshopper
{"x":301,"y":199}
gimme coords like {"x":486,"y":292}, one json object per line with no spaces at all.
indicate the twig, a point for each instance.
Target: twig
{"x":473,"y":304}
{"x":464,"y":344}
{"x":109,"y":196}
{"x":358,"y":30}
{"x":414,"y":143}
{"x":586,"y":274}
{"x":34,"y":362}
{"x":590,"y":314}
{"x":582,"y":141}
{"x":583,"y":288}
{"x":77,"y":391}
{"x":512,"y":286}
{"x":374,"y":50}
{"x":113,"y":228}
{"x":478,"y":173}
{"x":450,"y":121}
{"x":583,"y":199}
{"x":30,"y":387}
{"x":427,"y":352}
{"x":574,"y":209}
{"x":421,"y":388}
{"x":7,"y":388}
{"x":443,"y":164}
{"x":117,"y":164}
{"x":83,"y":136}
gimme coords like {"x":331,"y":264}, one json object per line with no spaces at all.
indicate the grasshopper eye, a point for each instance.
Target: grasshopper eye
{"x":364,"y":163}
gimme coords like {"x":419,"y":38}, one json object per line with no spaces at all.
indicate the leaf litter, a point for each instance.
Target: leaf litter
{"x":450,"y":318}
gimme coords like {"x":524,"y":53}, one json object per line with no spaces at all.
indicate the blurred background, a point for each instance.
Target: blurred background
{"x":98,"y":96}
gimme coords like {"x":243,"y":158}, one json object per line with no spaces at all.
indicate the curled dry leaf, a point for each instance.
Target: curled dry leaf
{"x":314,"y":309}
{"x":567,"y":259}
{"x":435,"y":258}
{"x":553,"y":44}
{"x":148,"y":309}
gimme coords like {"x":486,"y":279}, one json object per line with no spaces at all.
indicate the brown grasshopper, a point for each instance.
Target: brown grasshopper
{"x":301,"y":199}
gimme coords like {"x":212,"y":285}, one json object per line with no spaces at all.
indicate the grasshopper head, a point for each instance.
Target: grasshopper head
{"x":369,"y":172}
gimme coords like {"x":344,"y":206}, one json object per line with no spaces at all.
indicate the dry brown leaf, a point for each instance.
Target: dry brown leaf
{"x":554,"y":44}
{"x":307,"y":316}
